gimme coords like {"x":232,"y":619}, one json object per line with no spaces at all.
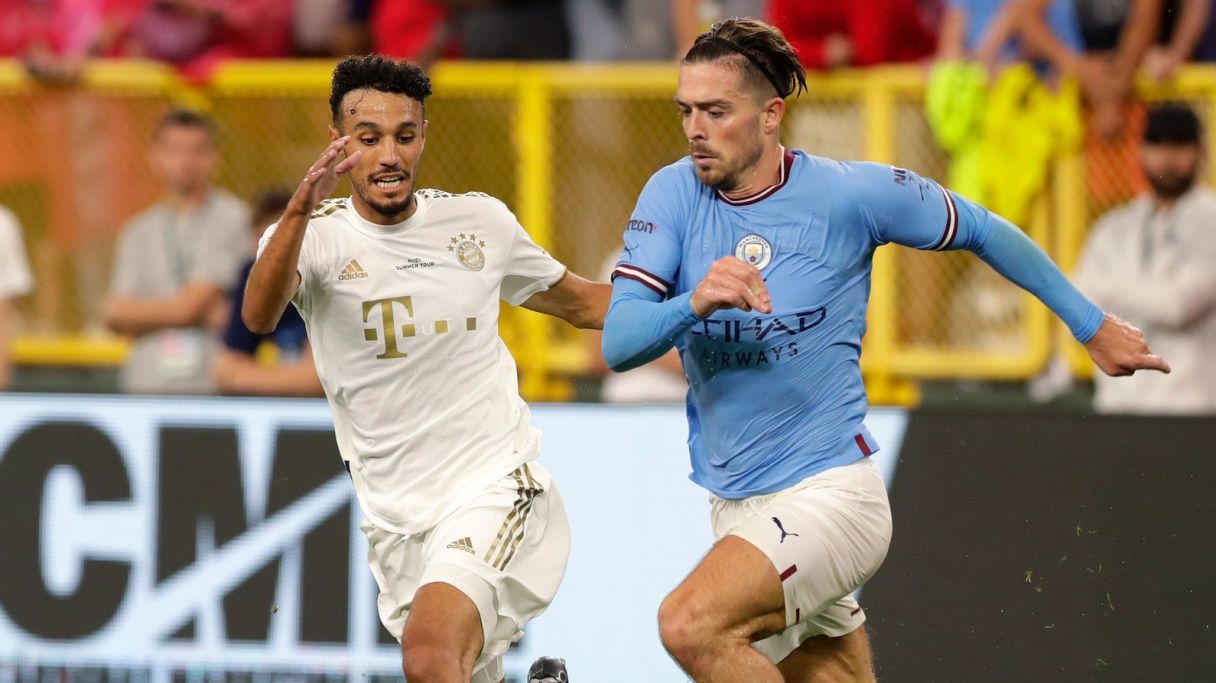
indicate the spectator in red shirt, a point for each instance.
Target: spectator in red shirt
{"x":197,"y":35}
{"x":830,"y":34}
{"x":416,"y":30}
{"x":56,"y":37}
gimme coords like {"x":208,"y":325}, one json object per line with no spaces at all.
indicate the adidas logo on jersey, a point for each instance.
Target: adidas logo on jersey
{"x":352,"y":271}
{"x":465,"y":544}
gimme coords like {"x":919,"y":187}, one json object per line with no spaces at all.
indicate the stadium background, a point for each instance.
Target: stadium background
{"x":568,"y":147}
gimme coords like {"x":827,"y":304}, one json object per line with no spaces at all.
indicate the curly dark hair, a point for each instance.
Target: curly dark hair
{"x":377,"y":72}
{"x":761,"y":51}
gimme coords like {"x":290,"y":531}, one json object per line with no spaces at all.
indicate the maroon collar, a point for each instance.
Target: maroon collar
{"x":787,"y":165}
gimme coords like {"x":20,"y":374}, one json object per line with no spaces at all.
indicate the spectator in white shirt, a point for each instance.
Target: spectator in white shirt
{"x":15,"y":281}
{"x":1151,"y":261}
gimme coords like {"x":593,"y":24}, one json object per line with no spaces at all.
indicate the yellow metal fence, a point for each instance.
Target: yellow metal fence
{"x":568,"y":147}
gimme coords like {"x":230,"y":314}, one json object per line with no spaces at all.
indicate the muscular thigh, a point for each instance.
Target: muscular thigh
{"x":735,"y":591}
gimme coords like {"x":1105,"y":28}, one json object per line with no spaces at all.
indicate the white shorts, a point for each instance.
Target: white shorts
{"x":506,"y":550}
{"x":826,"y":536}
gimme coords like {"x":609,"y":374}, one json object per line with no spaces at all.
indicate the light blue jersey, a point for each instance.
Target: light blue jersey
{"x":776,"y":398}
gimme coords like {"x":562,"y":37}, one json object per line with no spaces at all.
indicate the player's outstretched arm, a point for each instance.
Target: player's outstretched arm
{"x":919,"y":213}
{"x":275,"y":276}
{"x":1119,"y":349}
{"x":1116,"y":347}
{"x":578,"y":301}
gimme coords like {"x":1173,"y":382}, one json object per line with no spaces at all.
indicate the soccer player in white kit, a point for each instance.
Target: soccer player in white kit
{"x":399,"y":289}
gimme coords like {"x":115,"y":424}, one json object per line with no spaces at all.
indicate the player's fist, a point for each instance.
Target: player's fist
{"x":731,"y":283}
{"x":1119,"y":349}
{"x":322,"y":177}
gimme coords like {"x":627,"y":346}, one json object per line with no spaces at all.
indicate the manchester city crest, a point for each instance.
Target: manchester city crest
{"x":754,"y":250}
{"x":468,"y":251}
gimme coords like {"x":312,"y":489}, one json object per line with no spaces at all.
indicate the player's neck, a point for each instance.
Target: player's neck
{"x":765,"y":173}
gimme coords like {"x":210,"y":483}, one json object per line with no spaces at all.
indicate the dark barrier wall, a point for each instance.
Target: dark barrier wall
{"x":1038,"y":547}
{"x":155,"y":540}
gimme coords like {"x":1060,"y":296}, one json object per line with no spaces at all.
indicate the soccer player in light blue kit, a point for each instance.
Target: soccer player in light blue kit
{"x":754,"y":261}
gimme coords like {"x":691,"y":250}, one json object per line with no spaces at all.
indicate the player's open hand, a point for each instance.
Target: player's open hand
{"x":322,"y":177}
{"x":731,"y":283}
{"x":1119,"y":349}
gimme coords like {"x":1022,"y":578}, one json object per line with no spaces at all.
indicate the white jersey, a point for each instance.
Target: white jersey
{"x":15,"y":278}
{"x":403,"y":322}
{"x":1154,"y":269}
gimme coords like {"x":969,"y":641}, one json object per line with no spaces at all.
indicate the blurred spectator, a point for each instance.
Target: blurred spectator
{"x":56,"y":37}
{"x":315,"y":24}
{"x":15,"y":281}
{"x":84,"y":139}
{"x":196,"y":35}
{"x":1116,"y":35}
{"x":691,"y":17}
{"x":416,"y":30}
{"x":1184,"y":24}
{"x":353,"y":35}
{"x":987,"y":31}
{"x":659,"y":381}
{"x":598,"y":31}
{"x":510,"y":29}
{"x":828,"y":34}
{"x":1205,"y":51}
{"x":978,"y":30}
{"x":238,"y":368}
{"x":175,"y":262}
{"x":649,"y":33}
{"x":1150,"y":261}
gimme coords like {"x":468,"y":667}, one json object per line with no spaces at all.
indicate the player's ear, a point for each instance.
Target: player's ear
{"x":774,"y":111}
{"x":422,"y":135}
{"x":333,"y":132}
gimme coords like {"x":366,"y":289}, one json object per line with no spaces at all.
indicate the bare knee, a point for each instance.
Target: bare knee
{"x":432,"y":662}
{"x":683,"y":628}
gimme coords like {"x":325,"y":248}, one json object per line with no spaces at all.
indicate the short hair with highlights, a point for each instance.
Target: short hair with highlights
{"x":377,"y":72}
{"x":761,"y":50}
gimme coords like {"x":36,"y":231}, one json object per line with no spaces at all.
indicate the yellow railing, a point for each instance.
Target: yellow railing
{"x":568,"y":147}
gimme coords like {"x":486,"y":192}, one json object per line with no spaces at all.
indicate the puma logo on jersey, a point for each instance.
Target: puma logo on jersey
{"x":465,"y":544}
{"x":352,"y":271}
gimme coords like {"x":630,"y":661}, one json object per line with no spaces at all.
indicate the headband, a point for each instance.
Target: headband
{"x":735,"y":47}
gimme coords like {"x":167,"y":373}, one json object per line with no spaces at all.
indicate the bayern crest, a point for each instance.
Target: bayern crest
{"x":468,"y":251}
{"x":754,"y":250}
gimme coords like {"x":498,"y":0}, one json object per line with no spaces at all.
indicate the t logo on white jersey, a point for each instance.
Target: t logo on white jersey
{"x":388,"y":324}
